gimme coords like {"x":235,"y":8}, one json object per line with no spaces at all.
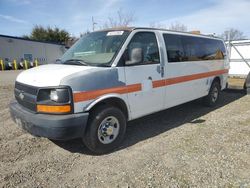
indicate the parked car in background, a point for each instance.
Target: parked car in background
{"x":20,"y":63}
{"x":8,"y":64}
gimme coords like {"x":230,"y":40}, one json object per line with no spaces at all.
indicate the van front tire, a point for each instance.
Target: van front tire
{"x":213,"y":96}
{"x":106,"y":129}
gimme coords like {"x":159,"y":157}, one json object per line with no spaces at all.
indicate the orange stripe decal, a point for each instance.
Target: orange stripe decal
{"x":171,"y":81}
{"x":89,"y":95}
{"x":159,"y":83}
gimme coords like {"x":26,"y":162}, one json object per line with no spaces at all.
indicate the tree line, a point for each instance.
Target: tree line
{"x":61,"y":36}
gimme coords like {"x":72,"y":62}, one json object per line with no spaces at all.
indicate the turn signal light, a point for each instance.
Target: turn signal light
{"x":53,"y":109}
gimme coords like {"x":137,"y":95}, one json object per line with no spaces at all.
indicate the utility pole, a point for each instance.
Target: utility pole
{"x":93,"y":23}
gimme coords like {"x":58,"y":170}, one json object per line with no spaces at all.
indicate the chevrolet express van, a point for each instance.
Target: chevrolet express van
{"x":110,"y":77}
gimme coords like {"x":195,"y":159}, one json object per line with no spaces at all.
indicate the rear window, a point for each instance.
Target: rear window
{"x":187,"y":48}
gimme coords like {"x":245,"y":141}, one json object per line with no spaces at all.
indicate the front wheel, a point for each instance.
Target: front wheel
{"x":213,"y":96}
{"x":106,"y":129}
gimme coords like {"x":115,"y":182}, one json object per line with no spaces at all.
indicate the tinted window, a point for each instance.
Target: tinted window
{"x":174,"y":48}
{"x":213,"y":49}
{"x":193,"y":49}
{"x":186,"y":48}
{"x":148,"y":43}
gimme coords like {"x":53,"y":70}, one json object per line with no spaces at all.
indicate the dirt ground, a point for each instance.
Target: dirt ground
{"x":8,"y":77}
{"x":236,"y":83}
{"x":185,"y":146}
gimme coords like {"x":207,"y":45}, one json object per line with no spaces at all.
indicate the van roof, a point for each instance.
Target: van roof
{"x":158,"y":29}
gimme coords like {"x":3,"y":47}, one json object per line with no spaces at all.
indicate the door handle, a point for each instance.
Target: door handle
{"x":160,"y":70}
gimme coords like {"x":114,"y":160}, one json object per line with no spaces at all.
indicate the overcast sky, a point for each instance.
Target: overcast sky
{"x":17,"y":17}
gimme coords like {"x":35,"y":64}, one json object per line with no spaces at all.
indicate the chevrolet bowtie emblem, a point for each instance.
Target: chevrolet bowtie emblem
{"x":21,"y":96}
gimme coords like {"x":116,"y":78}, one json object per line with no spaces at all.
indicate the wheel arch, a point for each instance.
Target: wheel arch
{"x":218,"y":79}
{"x":114,"y":100}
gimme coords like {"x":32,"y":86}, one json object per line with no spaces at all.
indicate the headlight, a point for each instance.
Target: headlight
{"x":54,"y":95}
{"x":57,"y":96}
{"x":55,"y":100}
{"x":60,"y":95}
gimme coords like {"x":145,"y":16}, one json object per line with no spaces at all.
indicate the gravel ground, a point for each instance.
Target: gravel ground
{"x":185,"y":146}
{"x":8,"y":77}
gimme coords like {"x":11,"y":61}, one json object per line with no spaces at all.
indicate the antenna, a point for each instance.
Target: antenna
{"x":93,"y":23}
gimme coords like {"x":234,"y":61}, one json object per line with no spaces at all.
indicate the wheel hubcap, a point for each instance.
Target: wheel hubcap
{"x":108,"y":130}
{"x":215,"y":94}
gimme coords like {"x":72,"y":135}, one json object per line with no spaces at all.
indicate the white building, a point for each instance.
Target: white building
{"x":20,"y":48}
{"x":239,"y":55}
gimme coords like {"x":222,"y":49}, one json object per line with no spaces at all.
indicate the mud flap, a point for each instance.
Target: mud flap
{"x":248,"y":84}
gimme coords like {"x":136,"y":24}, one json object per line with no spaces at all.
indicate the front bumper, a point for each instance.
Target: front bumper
{"x":56,"y":127}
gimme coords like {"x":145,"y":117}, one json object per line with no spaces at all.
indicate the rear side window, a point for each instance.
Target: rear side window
{"x":175,"y":50}
{"x":187,"y":48}
{"x":214,"y":49}
{"x":193,"y":49}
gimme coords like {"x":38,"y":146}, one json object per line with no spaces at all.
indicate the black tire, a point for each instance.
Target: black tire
{"x":245,"y":86}
{"x":211,"y":99}
{"x":227,"y":86}
{"x":247,"y":82}
{"x":91,"y":137}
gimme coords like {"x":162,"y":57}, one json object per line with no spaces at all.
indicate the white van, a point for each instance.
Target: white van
{"x":113,"y":76}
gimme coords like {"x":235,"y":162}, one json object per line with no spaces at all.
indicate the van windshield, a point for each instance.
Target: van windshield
{"x":95,"y":49}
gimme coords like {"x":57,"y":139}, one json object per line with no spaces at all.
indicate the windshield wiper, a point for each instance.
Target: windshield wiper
{"x":75,"y":62}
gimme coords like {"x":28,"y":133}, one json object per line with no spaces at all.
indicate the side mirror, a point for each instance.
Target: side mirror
{"x":135,"y":57}
{"x":58,"y":61}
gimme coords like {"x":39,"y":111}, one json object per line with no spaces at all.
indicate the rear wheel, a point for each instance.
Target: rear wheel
{"x":106,"y":129}
{"x":213,"y":96}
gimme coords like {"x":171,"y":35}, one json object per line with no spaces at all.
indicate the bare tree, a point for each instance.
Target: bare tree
{"x":122,"y":20}
{"x":157,"y":25}
{"x":174,"y":26}
{"x":178,"y":27}
{"x":232,"y":34}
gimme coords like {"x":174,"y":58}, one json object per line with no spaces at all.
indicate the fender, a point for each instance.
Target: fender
{"x":222,"y":83}
{"x":210,"y":81}
{"x":104,"y":97}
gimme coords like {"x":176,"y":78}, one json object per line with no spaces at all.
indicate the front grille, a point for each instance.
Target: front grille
{"x":26,"y":95}
{"x":26,"y":88}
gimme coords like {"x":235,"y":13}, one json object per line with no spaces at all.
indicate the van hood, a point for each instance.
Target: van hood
{"x":49,"y":75}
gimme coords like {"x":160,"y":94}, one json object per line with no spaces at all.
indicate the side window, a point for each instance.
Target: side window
{"x":214,"y":49}
{"x":175,"y":50}
{"x":219,"y":49}
{"x":193,"y":48}
{"x":187,"y":48}
{"x":142,"y":49}
{"x":202,"y":49}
